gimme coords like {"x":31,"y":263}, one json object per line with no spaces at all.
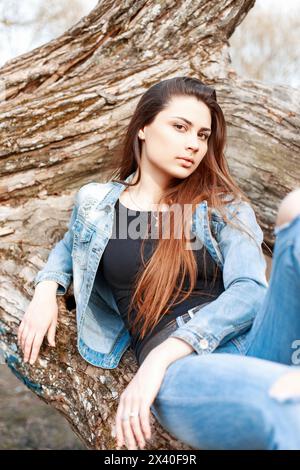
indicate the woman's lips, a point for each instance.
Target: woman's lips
{"x":185,"y":162}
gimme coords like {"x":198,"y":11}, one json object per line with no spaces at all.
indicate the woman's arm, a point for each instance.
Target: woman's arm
{"x":46,"y":288}
{"x":169,"y":351}
{"x":59,"y":266}
{"x":244,"y":277}
{"x":142,"y":391}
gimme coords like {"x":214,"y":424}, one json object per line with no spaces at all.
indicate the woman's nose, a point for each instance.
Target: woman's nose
{"x":193,"y":142}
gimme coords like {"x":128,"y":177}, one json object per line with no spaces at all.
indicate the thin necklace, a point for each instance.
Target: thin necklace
{"x":155,"y":217}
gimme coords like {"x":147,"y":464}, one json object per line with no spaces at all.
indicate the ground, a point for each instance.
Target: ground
{"x":27,"y":422}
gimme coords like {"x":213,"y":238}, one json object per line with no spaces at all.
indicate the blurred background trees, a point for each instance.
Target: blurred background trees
{"x":266,"y":44}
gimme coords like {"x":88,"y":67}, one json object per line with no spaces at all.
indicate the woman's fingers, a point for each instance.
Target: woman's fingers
{"x":135,"y":421}
{"x":34,"y":326}
{"x":119,"y":429}
{"x":20,"y":331}
{"x":125,"y":434}
{"x":129,"y":431}
{"x":30,"y":340}
{"x":137,"y":430}
{"x":24,"y":336}
{"x":130,"y":441}
{"x":145,"y":421}
{"x":51,"y":333}
{"x":36,"y":348}
{"x":28,"y":345}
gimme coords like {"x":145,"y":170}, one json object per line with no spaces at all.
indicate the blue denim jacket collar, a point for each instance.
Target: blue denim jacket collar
{"x":200,"y":222}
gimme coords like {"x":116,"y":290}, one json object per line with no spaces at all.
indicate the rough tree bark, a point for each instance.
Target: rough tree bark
{"x":65,"y":106}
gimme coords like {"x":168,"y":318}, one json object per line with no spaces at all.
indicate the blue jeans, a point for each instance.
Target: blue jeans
{"x":221,"y":400}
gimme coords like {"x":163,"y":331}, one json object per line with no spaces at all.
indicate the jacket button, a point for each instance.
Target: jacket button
{"x":203,"y":344}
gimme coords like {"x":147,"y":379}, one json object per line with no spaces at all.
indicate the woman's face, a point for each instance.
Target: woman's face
{"x":170,"y":137}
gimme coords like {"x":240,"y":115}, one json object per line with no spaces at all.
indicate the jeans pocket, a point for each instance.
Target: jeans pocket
{"x":241,"y":342}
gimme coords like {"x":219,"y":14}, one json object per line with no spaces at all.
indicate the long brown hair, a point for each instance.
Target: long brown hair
{"x":211,"y":181}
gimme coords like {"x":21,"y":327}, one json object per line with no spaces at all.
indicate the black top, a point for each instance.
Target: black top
{"x":121,"y":261}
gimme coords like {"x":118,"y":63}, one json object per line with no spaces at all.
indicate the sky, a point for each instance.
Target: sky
{"x":280,"y":5}
{"x":16,"y":40}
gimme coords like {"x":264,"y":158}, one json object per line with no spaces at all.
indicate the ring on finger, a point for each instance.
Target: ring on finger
{"x":133,"y":414}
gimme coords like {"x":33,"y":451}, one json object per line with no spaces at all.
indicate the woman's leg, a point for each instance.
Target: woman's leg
{"x":275,"y":333}
{"x":223,"y":401}
{"x":231,"y":401}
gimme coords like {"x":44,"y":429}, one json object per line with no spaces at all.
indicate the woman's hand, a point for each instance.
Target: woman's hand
{"x":137,"y":398}
{"x":40,"y":318}
{"x":140,"y":393}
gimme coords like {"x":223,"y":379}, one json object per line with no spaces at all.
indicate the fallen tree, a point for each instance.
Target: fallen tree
{"x":66,"y":105}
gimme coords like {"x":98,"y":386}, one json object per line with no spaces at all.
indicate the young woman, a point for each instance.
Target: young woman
{"x":166,"y":257}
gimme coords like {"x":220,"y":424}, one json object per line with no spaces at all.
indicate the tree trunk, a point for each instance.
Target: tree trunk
{"x":64,"y":107}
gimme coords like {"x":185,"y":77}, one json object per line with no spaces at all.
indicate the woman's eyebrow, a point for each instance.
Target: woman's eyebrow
{"x":190,"y":123}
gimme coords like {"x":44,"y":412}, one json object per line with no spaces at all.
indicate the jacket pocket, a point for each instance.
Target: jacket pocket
{"x":216,"y":224}
{"x":82,"y":235}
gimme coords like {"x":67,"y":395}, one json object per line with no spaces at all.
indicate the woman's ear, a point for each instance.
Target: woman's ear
{"x":141,"y":134}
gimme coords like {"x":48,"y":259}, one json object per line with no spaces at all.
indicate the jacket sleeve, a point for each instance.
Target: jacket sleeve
{"x":245,"y":284}
{"x":59,"y":266}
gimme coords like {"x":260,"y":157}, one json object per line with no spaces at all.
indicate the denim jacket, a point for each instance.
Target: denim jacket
{"x":102,"y":337}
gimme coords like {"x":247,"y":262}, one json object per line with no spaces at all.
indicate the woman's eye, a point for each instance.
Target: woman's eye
{"x":201,"y":135}
{"x":178,"y":125}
